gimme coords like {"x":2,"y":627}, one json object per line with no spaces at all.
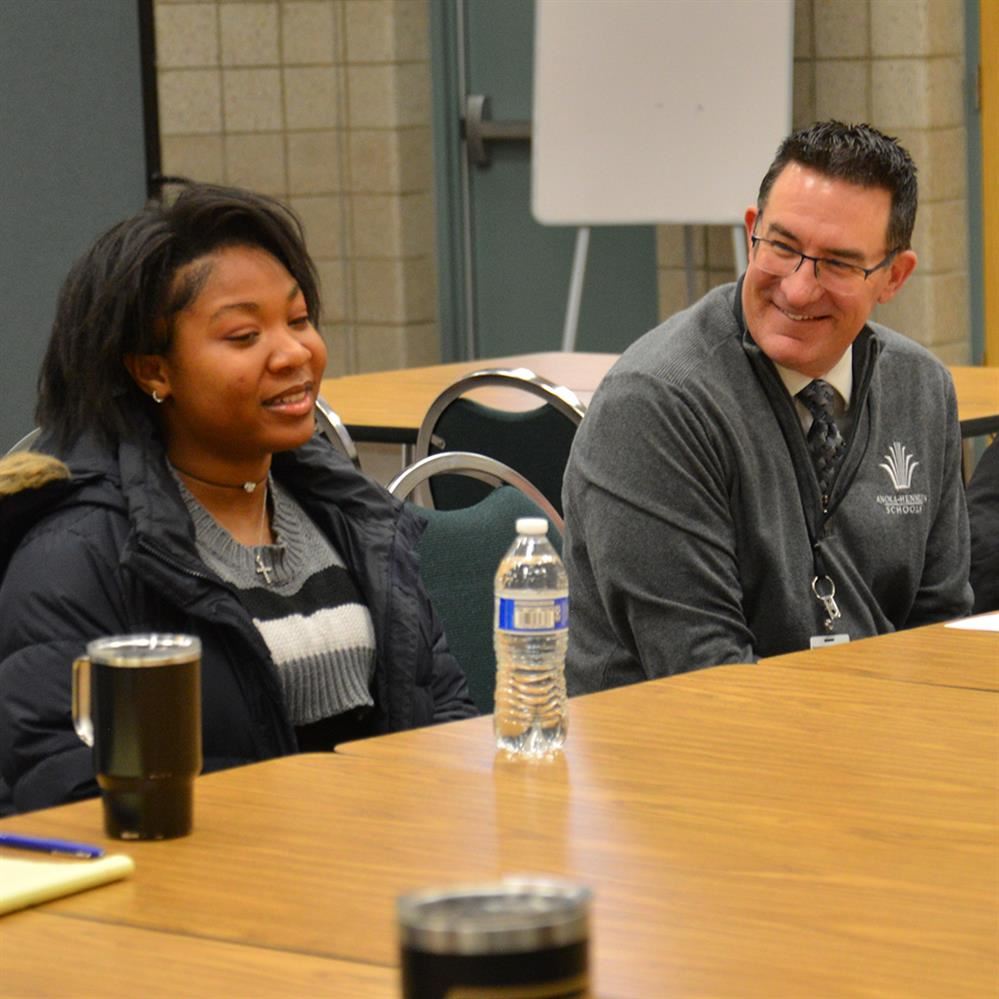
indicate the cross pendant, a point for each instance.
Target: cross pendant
{"x":262,"y":570}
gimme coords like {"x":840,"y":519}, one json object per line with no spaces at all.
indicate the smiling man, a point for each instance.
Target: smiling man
{"x":769,"y":470}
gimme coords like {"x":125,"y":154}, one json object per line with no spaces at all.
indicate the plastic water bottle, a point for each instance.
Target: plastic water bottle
{"x":530,"y":635}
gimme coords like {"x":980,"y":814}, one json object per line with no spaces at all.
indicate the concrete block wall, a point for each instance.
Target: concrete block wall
{"x":324,"y":104}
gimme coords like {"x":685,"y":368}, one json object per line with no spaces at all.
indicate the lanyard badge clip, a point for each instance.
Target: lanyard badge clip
{"x":825,"y":592}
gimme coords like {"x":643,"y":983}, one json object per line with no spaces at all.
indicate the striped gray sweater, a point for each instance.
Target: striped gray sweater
{"x":310,"y":614}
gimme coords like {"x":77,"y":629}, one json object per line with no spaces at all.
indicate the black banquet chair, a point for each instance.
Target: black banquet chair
{"x":329,"y":424}
{"x":24,"y":444}
{"x":461,"y":549}
{"x":535,"y":441}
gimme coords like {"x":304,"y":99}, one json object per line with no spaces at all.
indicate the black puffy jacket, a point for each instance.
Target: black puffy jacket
{"x":111,"y":550}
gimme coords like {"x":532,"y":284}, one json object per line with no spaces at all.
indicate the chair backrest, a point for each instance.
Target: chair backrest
{"x":535,"y":442}
{"x":460,"y":551}
{"x":331,"y":427}
{"x":24,"y":444}
{"x":478,"y":467}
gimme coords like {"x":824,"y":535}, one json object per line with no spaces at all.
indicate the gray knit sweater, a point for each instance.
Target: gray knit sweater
{"x":691,"y":504}
{"x":309,"y":612}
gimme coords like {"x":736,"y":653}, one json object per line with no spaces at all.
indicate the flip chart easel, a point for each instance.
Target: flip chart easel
{"x":655,"y":111}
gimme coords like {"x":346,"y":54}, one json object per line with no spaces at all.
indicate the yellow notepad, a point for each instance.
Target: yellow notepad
{"x":28,"y":882}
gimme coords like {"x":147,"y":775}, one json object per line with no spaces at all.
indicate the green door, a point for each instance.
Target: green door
{"x":504,"y":278}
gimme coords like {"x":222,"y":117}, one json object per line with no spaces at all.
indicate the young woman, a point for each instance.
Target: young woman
{"x":178,"y":391}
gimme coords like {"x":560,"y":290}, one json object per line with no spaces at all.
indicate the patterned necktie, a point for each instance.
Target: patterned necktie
{"x":825,"y":442}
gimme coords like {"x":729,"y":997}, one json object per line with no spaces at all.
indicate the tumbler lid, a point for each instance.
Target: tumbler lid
{"x":517,"y":914}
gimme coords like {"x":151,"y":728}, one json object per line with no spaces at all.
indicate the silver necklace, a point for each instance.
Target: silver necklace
{"x":261,"y":568}
{"x":248,"y":487}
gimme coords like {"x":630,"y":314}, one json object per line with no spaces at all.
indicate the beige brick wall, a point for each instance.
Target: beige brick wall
{"x":326,"y":105}
{"x":898,"y":64}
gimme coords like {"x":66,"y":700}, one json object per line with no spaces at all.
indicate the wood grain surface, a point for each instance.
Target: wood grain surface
{"x":977,"y":399}
{"x":747,"y":830}
{"x":936,"y":654}
{"x":59,"y":956}
{"x":388,"y":406}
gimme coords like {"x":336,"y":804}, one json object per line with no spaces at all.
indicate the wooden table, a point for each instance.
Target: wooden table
{"x":747,"y":830}
{"x":977,"y":399}
{"x":45,"y":954}
{"x":388,"y":406}
{"x":936,"y":654}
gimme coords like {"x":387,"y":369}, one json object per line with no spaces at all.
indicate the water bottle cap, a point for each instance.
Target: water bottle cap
{"x":532,"y":525}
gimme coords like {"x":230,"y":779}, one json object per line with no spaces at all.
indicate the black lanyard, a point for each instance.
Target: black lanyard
{"x":823,"y":586}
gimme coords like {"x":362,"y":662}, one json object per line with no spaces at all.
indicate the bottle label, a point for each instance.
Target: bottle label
{"x":533,"y":616}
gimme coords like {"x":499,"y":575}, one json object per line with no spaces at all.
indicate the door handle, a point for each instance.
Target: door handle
{"x":478,"y":130}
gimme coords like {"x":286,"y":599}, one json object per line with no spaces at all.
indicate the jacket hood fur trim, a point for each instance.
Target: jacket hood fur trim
{"x":29,"y":470}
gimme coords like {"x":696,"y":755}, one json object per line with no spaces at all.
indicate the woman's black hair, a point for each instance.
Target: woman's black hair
{"x":121,"y":298}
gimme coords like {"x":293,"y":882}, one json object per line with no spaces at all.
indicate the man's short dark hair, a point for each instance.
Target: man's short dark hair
{"x":120,"y":298}
{"x":858,"y":154}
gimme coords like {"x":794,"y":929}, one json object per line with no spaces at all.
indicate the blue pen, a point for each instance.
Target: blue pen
{"x":44,"y":845}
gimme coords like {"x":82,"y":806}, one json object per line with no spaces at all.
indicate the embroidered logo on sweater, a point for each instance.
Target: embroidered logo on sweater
{"x":901,"y":466}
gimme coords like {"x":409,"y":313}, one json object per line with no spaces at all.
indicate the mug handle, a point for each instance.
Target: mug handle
{"x":83,"y":722}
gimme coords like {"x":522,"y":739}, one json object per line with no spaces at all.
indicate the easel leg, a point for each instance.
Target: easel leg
{"x":571,"y":328}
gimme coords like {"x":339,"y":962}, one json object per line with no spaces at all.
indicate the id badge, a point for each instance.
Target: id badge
{"x":821,"y":641}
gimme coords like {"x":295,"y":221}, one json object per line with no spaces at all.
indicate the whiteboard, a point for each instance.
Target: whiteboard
{"x":649,"y":111}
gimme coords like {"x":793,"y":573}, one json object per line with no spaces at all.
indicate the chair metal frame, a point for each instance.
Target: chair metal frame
{"x":474,"y":466}
{"x":560,"y":398}
{"x":24,"y":444}
{"x":331,"y":427}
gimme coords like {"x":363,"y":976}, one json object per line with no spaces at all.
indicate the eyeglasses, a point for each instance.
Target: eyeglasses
{"x":837,"y":276}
